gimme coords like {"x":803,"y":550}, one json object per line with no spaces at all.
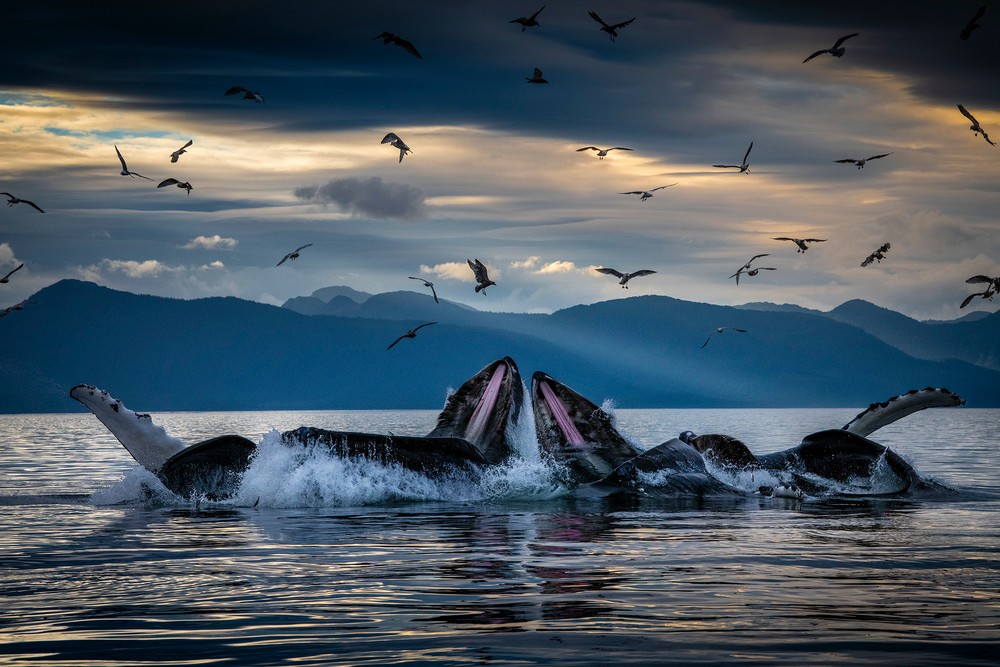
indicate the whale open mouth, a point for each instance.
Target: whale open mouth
{"x":487,"y":402}
{"x":558,"y":412}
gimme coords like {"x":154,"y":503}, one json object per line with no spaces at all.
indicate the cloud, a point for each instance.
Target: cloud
{"x":131,"y":267}
{"x":559,"y":266}
{"x":214,"y":242}
{"x":370,"y":197}
{"x":526,"y":264}
{"x":7,"y":255}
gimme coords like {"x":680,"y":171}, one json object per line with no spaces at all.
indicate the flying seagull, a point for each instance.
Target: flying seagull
{"x":861,"y":163}
{"x":988,"y":294}
{"x":625,"y":277}
{"x":975,"y":127}
{"x":801,"y":243}
{"x":293,"y":254}
{"x":6,"y":278}
{"x":176,"y":155}
{"x":536,"y":77}
{"x":528,"y":21}
{"x":744,"y":168}
{"x":612,"y":30}
{"x":412,"y":333}
{"x":646,"y":194}
{"x":878,"y":255}
{"x":428,"y":283}
{"x":992,"y":287}
{"x":11,"y":200}
{"x":836,"y":51}
{"x":125,"y":169}
{"x":183,"y":185}
{"x":482,"y":277}
{"x":602,"y":152}
{"x":973,"y":24}
{"x":389,"y":38}
{"x":247,"y":94}
{"x":719,"y":330}
{"x":751,"y":272}
{"x":393,"y":140}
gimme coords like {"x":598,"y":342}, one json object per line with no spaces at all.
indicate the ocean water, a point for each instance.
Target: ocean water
{"x":323,"y":562}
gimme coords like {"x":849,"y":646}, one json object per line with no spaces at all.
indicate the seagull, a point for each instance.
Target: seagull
{"x":173,"y":181}
{"x":528,"y":21}
{"x":719,"y":330}
{"x":988,"y":294}
{"x":878,"y":255}
{"x":6,"y":278}
{"x":801,"y":243}
{"x":972,"y":24}
{"x":750,"y":272}
{"x":180,"y":151}
{"x":744,"y":168}
{"x":412,"y":333}
{"x":861,"y":163}
{"x":482,"y":277}
{"x":428,"y":283}
{"x":625,"y":277}
{"x":11,"y":200}
{"x":602,"y":152}
{"x":836,"y":51}
{"x":536,"y":78}
{"x":17,"y":306}
{"x":293,"y":254}
{"x":975,"y":127}
{"x":646,"y":194}
{"x":247,"y":94}
{"x":612,"y":30}
{"x":389,"y":38}
{"x":125,"y":169}
{"x":393,"y":140}
{"x":994,"y":283}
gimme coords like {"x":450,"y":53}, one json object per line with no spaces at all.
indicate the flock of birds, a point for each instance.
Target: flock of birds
{"x":480,"y":272}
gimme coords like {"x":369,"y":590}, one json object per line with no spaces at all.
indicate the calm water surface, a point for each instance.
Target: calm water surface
{"x":343,"y":565}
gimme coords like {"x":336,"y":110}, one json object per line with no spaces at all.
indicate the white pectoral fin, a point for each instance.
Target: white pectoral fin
{"x":881,"y":414}
{"x":147,"y":442}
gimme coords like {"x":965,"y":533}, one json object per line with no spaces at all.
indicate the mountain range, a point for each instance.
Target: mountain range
{"x":328,"y":351}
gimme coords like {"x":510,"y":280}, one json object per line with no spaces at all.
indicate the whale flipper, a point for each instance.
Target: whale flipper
{"x":882,"y":414}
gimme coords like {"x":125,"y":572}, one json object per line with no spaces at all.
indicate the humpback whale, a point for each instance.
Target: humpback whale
{"x":471,"y":432}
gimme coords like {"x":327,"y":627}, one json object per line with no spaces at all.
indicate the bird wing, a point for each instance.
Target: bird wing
{"x":390,"y":137}
{"x":818,"y":53}
{"x":396,"y":341}
{"x":814,"y":240}
{"x":622,"y":24}
{"x":535,"y":15}
{"x":884,"y":247}
{"x":588,"y":148}
{"x":283,"y":259}
{"x":727,"y":166}
{"x":845,"y":38}
{"x":875,"y":157}
{"x":738,"y":329}
{"x":636,"y":192}
{"x":125,"y":166}
{"x":597,"y":18}
{"x":642,"y":272}
{"x":781,"y":238}
{"x":987,"y":138}
{"x":427,"y":324}
{"x":32,"y":205}
{"x":619,"y":148}
{"x":968,"y":115}
{"x":852,"y":161}
{"x":748,"y":152}
{"x":168,"y":181}
{"x":13,"y":271}
{"x":235,"y":90}
{"x":972,"y":280}
{"x":302,"y":247}
{"x":765,"y":254}
{"x":706,"y":340}
{"x":662,"y":186}
{"x":408,"y":46}
{"x":538,"y":73}
{"x":479,"y":269}
{"x":969,"y":298}
{"x":610,"y":272}
{"x":433,"y":291}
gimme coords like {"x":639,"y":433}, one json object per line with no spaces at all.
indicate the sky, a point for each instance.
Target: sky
{"x":494,"y":172}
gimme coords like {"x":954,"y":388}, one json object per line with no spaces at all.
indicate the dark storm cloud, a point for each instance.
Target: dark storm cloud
{"x":368,"y":197}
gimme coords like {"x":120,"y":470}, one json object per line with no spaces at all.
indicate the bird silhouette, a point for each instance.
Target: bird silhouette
{"x":6,"y":278}
{"x":482,"y":277}
{"x":389,"y":38}
{"x":412,"y":333}
{"x":801,"y":243}
{"x":751,"y":272}
{"x":11,"y":200}
{"x":427,"y":283}
{"x":973,"y":24}
{"x":176,"y":155}
{"x":536,"y":77}
{"x":861,"y":163}
{"x":878,"y":255}
{"x":976,"y":128}
{"x":625,"y":277}
{"x":247,"y":94}
{"x":528,"y":21}
{"x":602,"y":152}
{"x":646,"y":194}
{"x":720,"y":330}
{"x":744,"y":168}
{"x":293,"y":255}
{"x":393,"y":140}
{"x":125,"y":169}
{"x":183,"y":185}
{"x":836,"y":50}
{"x":613,"y":29}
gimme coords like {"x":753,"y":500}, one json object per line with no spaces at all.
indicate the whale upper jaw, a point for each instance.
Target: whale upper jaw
{"x":481,"y":410}
{"x":576,"y":433}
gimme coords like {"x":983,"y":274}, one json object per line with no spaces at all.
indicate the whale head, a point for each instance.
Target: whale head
{"x":482,"y":408}
{"x":576,"y":433}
